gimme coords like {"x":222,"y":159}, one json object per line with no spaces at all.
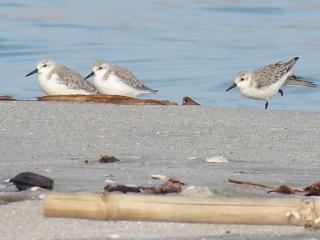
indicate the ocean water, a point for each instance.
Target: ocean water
{"x":180,"y":47}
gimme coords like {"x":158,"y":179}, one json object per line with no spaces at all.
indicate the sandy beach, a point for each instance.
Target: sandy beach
{"x":55,"y":139}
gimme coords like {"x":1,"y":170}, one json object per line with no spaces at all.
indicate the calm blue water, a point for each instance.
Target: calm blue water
{"x":182,"y":48}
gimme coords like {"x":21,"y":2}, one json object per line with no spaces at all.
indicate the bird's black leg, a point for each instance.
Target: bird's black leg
{"x":266,"y":105}
{"x":281,"y":92}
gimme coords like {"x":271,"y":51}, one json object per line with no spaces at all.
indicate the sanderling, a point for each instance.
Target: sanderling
{"x":267,"y":81}
{"x":56,"y":79}
{"x":114,"y":80}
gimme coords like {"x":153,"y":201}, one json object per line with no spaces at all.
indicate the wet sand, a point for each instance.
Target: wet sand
{"x":55,"y":139}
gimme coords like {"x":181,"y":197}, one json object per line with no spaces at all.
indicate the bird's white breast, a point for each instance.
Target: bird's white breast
{"x":264,"y":93}
{"x":115,"y":86}
{"x":52,"y":86}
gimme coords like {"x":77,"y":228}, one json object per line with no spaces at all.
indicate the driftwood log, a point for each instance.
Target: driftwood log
{"x":106,"y":98}
{"x":112,"y":206}
{"x":6,"y":98}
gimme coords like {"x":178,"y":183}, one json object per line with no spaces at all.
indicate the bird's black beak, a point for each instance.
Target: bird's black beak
{"x":232,"y":86}
{"x":33,"y":72}
{"x":90,"y":75}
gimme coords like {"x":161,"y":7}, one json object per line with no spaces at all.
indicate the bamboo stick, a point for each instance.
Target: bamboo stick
{"x":115,"y":99}
{"x":112,"y":206}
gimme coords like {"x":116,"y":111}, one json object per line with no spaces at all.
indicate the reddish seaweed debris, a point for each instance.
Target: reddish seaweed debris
{"x":169,"y":186}
{"x":26,"y":180}
{"x":284,"y":189}
{"x":108,"y":159}
{"x":313,"y":189}
{"x":189,"y":101}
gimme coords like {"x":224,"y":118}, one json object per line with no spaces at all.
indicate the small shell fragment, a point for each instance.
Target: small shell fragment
{"x":190,"y":188}
{"x":34,"y":189}
{"x":41,"y":196}
{"x":109,"y":181}
{"x":216,"y":159}
{"x":158,"y":177}
{"x":317,"y":221}
{"x":114,"y":236}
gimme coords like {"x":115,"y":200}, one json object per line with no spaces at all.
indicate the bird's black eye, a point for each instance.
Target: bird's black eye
{"x":241,"y":79}
{"x":100,"y":68}
{"x":44,"y":65}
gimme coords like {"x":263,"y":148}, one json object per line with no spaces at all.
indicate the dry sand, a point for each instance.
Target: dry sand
{"x":55,"y":139}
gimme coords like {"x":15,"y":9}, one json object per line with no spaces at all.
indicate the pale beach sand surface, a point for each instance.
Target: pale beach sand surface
{"x":55,"y":139}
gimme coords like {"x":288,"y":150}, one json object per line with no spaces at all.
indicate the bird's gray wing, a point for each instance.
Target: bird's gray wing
{"x":272,"y":73}
{"x":72,"y":79}
{"x":128,"y":78}
{"x":295,"y":81}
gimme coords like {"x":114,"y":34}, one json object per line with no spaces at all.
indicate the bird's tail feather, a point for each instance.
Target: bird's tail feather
{"x":150,"y":89}
{"x":295,"y":81}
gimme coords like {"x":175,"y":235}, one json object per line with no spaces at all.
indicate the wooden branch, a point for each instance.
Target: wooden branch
{"x":284,"y":189}
{"x":106,"y":98}
{"x":250,"y":183}
{"x":112,"y":206}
